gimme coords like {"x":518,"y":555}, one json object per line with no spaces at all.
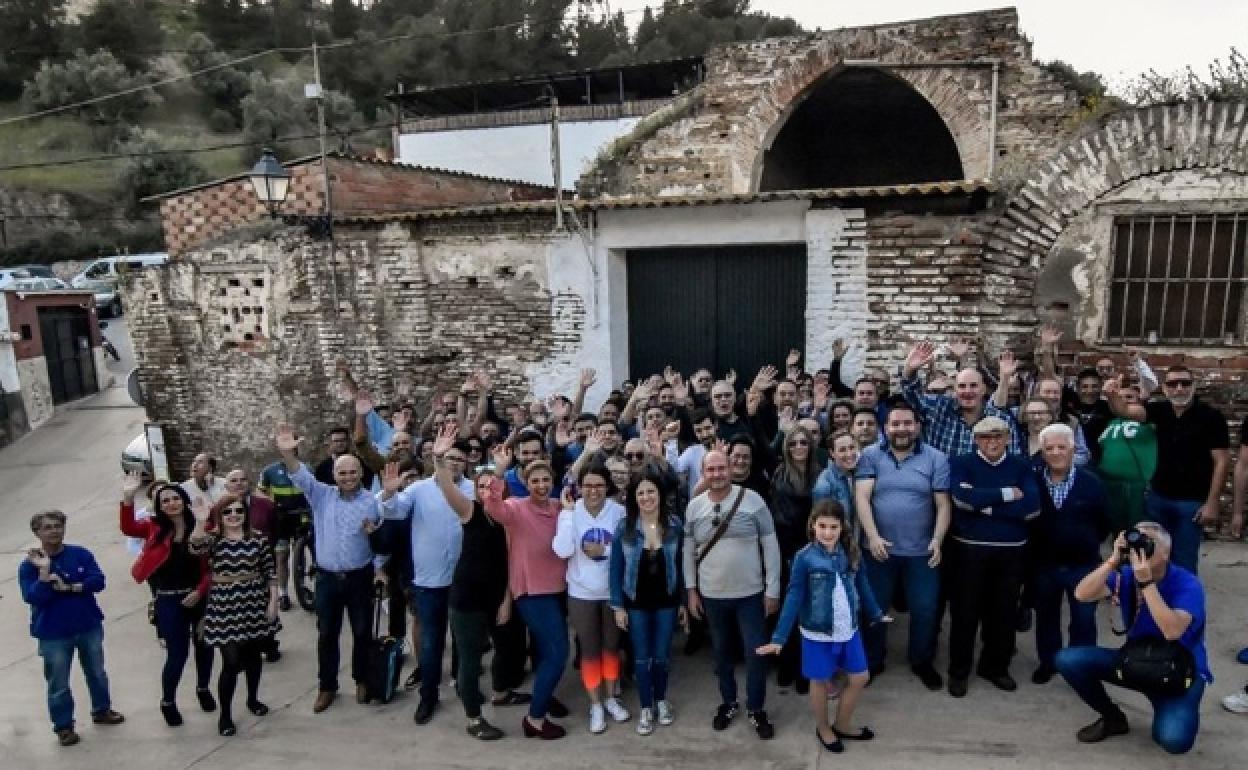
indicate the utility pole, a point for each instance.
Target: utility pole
{"x":554,"y":157}
{"x":316,"y":91}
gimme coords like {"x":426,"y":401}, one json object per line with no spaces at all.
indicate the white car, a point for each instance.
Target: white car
{"x":135,"y":457}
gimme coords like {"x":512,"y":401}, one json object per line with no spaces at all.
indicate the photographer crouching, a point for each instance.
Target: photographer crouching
{"x":1163,"y":611}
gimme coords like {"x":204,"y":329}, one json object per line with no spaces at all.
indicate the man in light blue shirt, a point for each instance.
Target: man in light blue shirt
{"x":902,"y":500}
{"x":437,"y":538}
{"x":342,"y":516}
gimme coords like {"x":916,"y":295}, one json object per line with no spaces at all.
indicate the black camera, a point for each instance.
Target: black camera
{"x":1139,"y":542}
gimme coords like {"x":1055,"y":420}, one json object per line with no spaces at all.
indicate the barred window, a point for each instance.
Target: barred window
{"x":1178,"y":279}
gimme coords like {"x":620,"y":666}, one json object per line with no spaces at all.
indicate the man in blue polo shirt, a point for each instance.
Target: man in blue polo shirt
{"x":1159,"y":600}
{"x":902,"y":499}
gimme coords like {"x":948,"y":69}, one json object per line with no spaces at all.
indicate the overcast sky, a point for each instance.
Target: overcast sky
{"x":1117,"y":38}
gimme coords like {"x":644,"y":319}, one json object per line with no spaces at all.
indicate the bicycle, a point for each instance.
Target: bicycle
{"x":303,"y":562}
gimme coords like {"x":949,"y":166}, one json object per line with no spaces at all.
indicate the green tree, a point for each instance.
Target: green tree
{"x":224,"y":87}
{"x":31,"y":30}
{"x":127,"y":28}
{"x":344,"y":18}
{"x":154,"y":169}
{"x":84,"y":77}
{"x":276,"y":114}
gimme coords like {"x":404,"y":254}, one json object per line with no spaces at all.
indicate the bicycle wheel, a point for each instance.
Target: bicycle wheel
{"x":303,"y":572}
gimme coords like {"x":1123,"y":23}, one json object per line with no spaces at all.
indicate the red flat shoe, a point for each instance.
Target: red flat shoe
{"x":549,"y":731}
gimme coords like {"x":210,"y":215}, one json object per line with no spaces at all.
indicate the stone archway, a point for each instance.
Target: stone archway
{"x":784,"y":94}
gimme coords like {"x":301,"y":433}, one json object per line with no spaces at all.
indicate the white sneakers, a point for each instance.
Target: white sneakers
{"x":597,"y":719}
{"x":1237,"y":703}
{"x":617,"y":710}
{"x":666,"y":717}
{"x":645,"y":722}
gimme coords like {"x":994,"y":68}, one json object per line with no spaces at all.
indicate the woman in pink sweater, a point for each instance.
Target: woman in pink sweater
{"x":537,"y":580}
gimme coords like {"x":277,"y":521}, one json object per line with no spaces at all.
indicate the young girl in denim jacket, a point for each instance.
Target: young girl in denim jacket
{"x":826,"y":591}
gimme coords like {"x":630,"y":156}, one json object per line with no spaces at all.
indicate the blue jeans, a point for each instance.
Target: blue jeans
{"x":58,"y":656}
{"x":922,"y":586}
{"x":1051,"y":583}
{"x":726,"y":618}
{"x":1176,"y":720}
{"x":651,"y":632}
{"x":1185,"y":534}
{"x":336,"y":592}
{"x":433,"y":610}
{"x":543,"y":614}
{"x":176,"y":625}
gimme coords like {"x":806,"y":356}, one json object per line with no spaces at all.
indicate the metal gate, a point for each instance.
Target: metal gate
{"x":723,"y":307}
{"x":66,"y":335}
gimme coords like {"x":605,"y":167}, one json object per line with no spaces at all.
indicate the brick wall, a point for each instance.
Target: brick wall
{"x":199,"y":215}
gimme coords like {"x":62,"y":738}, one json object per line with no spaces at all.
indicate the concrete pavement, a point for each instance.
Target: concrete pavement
{"x":72,"y":464}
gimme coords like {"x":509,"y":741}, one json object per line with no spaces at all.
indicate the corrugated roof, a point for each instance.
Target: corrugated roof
{"x":918,"y":190}
{"x":357,"y":159}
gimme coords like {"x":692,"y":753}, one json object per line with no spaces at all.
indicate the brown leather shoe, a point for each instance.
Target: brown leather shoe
{"x":361,"y":694}
{"x":67,"y":737}
{"x":107,"y":717}
{"x":324,"y":699}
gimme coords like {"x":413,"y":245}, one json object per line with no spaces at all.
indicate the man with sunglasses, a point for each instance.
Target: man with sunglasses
{"x":437,"y":536}
{"x":1193,"y":456}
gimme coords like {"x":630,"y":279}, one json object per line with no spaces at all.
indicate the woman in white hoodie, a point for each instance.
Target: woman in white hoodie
{"x":583,"y":537}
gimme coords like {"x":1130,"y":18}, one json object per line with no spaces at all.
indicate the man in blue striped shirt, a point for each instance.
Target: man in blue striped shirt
{"x":342,"y":516}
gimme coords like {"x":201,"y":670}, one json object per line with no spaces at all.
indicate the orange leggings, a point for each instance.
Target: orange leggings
{"x":594,"y":670}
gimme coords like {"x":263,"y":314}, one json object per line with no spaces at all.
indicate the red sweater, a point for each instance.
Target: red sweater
{"x":155,"y":549}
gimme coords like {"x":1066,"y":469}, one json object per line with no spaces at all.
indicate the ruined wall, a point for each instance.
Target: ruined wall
{"x":711,"y":140}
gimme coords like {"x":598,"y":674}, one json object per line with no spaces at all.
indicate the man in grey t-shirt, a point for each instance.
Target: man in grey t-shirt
{"x":737,"y":584}
{"x":902,"y":499}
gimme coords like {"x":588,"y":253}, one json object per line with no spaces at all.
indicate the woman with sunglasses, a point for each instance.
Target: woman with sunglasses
{"x":179,"y":580}
{"x":242,"y":604}
{"x":792,"y":490}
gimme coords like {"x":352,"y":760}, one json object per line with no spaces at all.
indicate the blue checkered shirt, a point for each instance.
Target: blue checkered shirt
{"x":1059,"y":490}
{"x":943,"y":426}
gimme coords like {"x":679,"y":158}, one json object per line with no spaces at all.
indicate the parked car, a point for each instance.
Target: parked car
{"x":38,"y":283}
{"x":10,"y":276}
{"x":135,"y":457}
{"x":102,"y":276}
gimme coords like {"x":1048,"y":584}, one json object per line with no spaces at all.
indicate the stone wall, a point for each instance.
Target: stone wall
{"x":713,"y":139}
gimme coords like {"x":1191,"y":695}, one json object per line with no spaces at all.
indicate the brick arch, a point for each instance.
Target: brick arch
{"x":787,"y":90}
{"x":1128,"y":145}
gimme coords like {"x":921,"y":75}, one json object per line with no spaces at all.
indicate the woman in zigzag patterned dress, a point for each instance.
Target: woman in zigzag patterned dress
{"x":242,"y":611}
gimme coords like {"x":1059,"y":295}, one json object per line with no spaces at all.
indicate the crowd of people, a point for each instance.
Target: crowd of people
{"x":784,"y":519}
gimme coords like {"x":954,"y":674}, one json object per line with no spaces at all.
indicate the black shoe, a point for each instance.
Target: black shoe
{"x":225,"y":726}
{"x":206,"y":701}
{"x":424,"y":712}
{"x":483,"y":730}
{"x":835,"y":746}
{"x":957,"y":687}
{"x":926,"y":674}
{"x":413,"y":679}
{"x":257,"y":708}
{"x":556,"y":708}
{"x":1022,"y":624}
{"x":273,"y":654}
{"x":512,"y":698}
{"x":802,"y":686}
{"x":762,"y":725}
{"x":1042,"y":675}
{"x":865,"y":734}
{"x":724,"y":715}
{"x":172,"y":716}
{"x":283,"y":603}
{"x":1002,"y":681}
{"x":1103,"y":728}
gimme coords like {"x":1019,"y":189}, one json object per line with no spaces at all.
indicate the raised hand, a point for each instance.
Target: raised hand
{"x":959,"y":347}
{"x":130,"y":485}
{"x":567,"y":499}
{"x":400,"y":420}
{"x":765,"y":379}
{"x":286,"y":439}
{"x":445,"y":439}
{"x":470,"y":384}
{"x":491,"y":489}
{"x":731,"y":377}
{"x":201,"y":508}
{"x":502,"y":457}
{"x":558,"y":407}
{"x":588,"y":378}
{"x":753,"y":399}
{"x":1007,"y":364}
{"x":563,"y":434}
{"x":670,"y":375}
{"x":363,"y":402}
{"x":788,"y":419}
{"x":720,"y":446}
{"x":484,"y":383}
{"x":793,"y":357}
{"x":1050,"y":335}
{"x":680,"y":389}
{"x":391,"y":479}
{"x":39,"y":559}
{"x":918,"y":357}
{"x":839,"y":349}
{"x":654,"y":441}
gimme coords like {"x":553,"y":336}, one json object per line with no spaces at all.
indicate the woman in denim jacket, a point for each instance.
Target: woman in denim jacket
{"x":647,"y":591}
{"x":826,"y":592}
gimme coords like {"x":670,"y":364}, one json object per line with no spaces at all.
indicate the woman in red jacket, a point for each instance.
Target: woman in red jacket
{"x":179,"y":580}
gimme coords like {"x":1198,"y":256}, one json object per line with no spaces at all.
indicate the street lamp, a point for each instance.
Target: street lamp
{"x":271,"y":181}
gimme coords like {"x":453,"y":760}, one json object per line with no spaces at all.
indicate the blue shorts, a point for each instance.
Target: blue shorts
{"x":821,"y":660}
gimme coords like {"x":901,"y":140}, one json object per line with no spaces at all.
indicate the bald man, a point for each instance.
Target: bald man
{"x":732,"y":569}
{"x":342,"y":516}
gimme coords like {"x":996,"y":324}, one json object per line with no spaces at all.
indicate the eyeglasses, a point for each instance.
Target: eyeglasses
{"x":236,"y":509}
{"x":799,"y":442}
{"x":1179,"y":383}
{"x":634,"y":455}
{"x":453,"y":459}
{"x":721,"y":395}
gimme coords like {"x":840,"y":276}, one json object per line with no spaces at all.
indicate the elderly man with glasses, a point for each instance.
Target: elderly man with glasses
{"x":1193,"y":456}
